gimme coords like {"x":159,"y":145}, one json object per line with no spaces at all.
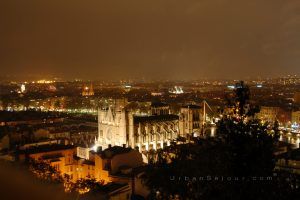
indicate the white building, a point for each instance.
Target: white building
{"x":118,"y":126}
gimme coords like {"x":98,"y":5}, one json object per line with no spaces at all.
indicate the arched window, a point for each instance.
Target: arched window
{"x":108,"y":135}
{"x":158,"y":136}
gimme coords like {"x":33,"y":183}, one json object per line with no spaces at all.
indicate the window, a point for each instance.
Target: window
{"x":109,"y":134}
{"x":56,"y":166}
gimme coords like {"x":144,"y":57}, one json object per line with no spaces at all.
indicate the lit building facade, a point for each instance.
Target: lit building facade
{"x":190,"y":120}
{"x":160,"y":109}
{"x":112,"y":127}
{"x":152,"y":132}
{"x":112,"y":161}
{"x":271,"y":114}
{"x":296,"y":117}
{"x":61,"y":157}
{"x":82,"y":163}
{"x":297,"y":97}
{"x":118,"y":126}
{"x":88,"y":90}
{"x":268,"y":114}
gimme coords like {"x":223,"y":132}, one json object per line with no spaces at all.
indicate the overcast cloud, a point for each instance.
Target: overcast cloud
{"x":93,"y":39}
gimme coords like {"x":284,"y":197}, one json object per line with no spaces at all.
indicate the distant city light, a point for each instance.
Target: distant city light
{"x":156,"y":93}
{"x":295,"y":126}
{"x":176,"y":90}
{"x":44,"y":81}
{"x":94,"y":148}
{"x":23,"y":88}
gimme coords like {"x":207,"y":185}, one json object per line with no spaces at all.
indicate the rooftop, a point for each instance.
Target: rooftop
{"x":55,"y":160}
{"x":112,"y":151}
{"x":88,"y":162}
{"x":46,"y":148}
{"x":53,"y":156}
{"x":114,"y":187}
{"x":192,"y":106}
{"x":155,"y":118}
{"x":127,"y":172}
{"x":159,"y":104}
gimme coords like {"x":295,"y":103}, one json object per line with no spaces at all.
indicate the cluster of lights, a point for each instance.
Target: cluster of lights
{"x":23,"y":88}
{"x":95,"y":147}
{"x":156,"y":93}
{"x":176,"y":90}
{"x":43,"y":81}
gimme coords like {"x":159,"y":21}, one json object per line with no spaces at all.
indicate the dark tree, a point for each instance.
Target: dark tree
{"x":242,"y":97}
{"x":44,"y":171}
{"x":243,"y":150}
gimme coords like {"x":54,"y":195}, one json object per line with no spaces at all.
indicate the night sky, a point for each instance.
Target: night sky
{"x":95,"y":39}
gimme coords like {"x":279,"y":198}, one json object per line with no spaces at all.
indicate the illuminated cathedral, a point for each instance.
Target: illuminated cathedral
{"x":118,"y":126}
{"x":88,"y":90}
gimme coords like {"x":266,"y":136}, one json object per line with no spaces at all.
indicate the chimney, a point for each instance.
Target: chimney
{"x":124,"y":145}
